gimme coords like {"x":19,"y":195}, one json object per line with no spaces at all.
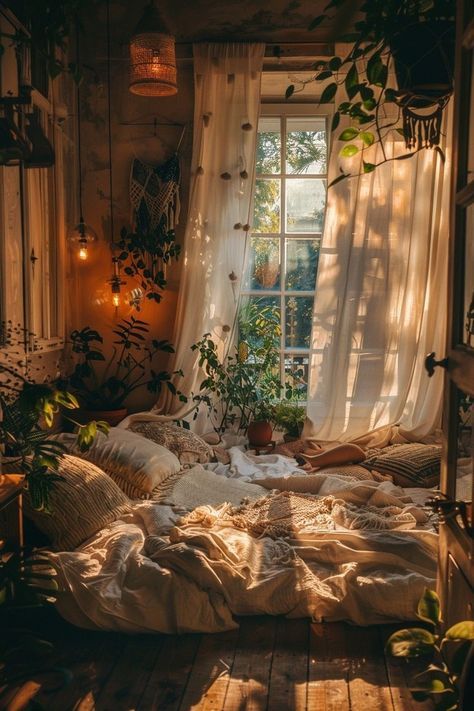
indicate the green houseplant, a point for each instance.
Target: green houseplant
{"x":27,"y":415}
{"x":417,"y":36}
{"x":103,"y":384}
{"x":290,"y":417}
{"x":240,"y":386}
{"x":446,"y":655}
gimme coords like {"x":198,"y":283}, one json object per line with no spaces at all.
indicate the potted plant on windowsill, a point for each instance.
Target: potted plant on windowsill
{"x":417,"y":36}
{"x":239,"y":388}
{"x":289,"y":417}
{"x":102,"y":385}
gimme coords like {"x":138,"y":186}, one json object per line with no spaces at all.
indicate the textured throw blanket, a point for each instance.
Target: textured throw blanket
{"x":286,"y":515}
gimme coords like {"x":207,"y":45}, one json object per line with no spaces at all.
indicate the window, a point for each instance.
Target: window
{"x":32,"y":214}
{"x":289,"y":208}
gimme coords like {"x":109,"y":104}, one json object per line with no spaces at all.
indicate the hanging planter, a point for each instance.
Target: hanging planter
{"x":417,"y":38}
{"x":423,"y":57}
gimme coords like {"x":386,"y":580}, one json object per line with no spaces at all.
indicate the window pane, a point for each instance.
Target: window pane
{"x":267,"y":206}
{"x":302,"y":256}
{"x":263,"y":264}
{"x":306,"y":147}
{"x":269,"y":146}
{"x":305,"y":205}
{"x":296,"y":374}
{"x":298,"y":317}
{"x":252,"y":308}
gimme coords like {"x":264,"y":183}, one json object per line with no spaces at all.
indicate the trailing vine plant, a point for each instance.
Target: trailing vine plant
{"x":374,"y":107}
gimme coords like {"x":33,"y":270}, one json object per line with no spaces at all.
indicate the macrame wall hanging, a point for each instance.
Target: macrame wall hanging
{"x":423,"y":130}
{"x":154,"y":194}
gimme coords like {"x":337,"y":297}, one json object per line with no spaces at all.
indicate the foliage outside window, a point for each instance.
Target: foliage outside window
{"x":283,"y":255}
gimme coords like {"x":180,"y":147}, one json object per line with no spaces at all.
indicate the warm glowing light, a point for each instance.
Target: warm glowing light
{"x":116,"y":300}
{"x":83,"y":254}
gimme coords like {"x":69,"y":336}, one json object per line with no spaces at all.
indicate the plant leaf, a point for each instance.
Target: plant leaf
{"x":328,"y":94}
{"x":335,"y":121}
{"x":368,"y":137}
{"x":348,"y":134}
{"x":410,"y":642}
{"x":368,"y":167}
{"x":290,"y":90}
{"x":349,"y":151}
{"x":462,"y":630}
{"x":429,"y":607}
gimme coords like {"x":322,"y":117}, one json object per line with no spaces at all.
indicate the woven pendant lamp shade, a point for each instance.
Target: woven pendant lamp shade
{"x":152,"y":57}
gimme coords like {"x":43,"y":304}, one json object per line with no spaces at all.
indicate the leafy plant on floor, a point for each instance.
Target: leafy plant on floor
{"x":27,"y":412}
{"x":102,"y":383}
{"x":446,"y":653}
{"x":387,"y":30}
{"x":240,"y":386}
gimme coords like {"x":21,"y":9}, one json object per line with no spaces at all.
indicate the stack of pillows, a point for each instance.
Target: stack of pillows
{"x":96,"y":486}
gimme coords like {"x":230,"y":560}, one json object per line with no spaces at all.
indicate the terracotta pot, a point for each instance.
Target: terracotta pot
{"x":259,"y":433}
{"x":112,"y":417}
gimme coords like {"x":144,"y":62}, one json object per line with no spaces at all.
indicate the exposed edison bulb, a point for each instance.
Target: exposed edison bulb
{"x":83,"y":253}
{"x":116,"y":300}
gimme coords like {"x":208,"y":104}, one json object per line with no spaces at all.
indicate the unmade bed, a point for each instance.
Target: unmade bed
{"x":210,"y":543}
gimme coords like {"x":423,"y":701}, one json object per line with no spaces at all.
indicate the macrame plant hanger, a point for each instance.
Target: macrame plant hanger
{"x":423,"y":130}
{"x":154,"y":191}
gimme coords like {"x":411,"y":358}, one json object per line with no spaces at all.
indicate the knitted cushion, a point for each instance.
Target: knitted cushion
{"x":82,"y":502}
{"x":408,"y":464}
{"x":186,"y":445}
{"x":137,"y":466}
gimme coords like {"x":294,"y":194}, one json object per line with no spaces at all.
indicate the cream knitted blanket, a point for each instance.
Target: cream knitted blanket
{"x":286,"y":514}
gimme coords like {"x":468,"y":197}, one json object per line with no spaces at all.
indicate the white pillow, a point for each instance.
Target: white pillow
{"x":137,"y":465}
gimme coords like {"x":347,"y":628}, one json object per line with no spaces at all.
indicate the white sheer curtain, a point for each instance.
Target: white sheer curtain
{"x":381,"y":295}
{"x":227,"y":101}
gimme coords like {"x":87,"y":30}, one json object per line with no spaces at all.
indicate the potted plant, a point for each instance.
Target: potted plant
{"x":103,"y":384}
{"x":27,"y":444}
{"x":290,"y":417}
{"x":418,"y":37}
{"x":447,"y":678}
{"x":239,"y":387}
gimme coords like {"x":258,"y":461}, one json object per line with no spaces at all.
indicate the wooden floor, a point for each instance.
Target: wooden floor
{"x":268,"y":663}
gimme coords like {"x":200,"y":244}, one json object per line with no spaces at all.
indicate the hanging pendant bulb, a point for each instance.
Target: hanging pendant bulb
{"x":116,"y":282}
{"x":82,"y":235}
{"x":152,"y":56}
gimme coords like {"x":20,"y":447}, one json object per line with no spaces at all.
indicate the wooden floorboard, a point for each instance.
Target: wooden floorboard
{"x":268,"y":664}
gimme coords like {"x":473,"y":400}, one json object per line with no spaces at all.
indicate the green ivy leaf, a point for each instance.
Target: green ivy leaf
{"x":429,"y":607}
{"x":368,"y":167}
{"x":462,"y":630}
{"x":348,"y":134}
{"x":367,"y":137}
{"x":323,"y":75}
{"x":335,"y":121}
{"x":349,"y":151}
{"x":328,"y":93}
{"x":352,"y":81}
{"x":410,"y":642}
{"x":290,"y":90}
{"x":335,"y":64}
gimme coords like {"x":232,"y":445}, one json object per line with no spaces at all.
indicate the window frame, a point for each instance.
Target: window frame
{"x":285,"y":112}
{"x":21,"y":300}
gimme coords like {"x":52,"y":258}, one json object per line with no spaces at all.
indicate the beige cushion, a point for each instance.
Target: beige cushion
{"x":136,"y":465}
{"x":408,"y":464}
{"x":186,"y":445}
{"x":311,"y":483}
{"x":82,"y":502}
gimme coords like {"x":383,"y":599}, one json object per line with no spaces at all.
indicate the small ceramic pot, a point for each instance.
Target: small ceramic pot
{"x":259,"y":433}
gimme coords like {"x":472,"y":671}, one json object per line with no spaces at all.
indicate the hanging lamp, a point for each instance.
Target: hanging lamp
{"x":82,"y":235}
{"x":152,"y":56}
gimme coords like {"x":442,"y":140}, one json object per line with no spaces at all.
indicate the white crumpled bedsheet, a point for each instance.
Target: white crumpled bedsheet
{"x":146,"y":572}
